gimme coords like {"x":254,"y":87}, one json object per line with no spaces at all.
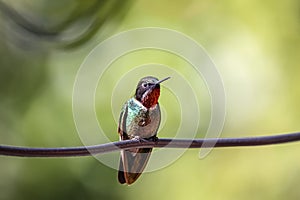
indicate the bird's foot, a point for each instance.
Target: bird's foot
{"x":138,"y":138}
{"x":150,"y":139}
{"x":153,"y":138}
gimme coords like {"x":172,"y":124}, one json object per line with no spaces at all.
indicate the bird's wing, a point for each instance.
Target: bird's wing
{"x":122,"y":123}
{"x":134,"y":163}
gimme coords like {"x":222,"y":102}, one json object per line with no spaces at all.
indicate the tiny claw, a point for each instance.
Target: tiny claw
{"x":138,"y":138}
{"x":153,"y":138}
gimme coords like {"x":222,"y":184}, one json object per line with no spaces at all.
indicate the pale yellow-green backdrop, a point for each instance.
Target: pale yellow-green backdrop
{"x":254,"y":44}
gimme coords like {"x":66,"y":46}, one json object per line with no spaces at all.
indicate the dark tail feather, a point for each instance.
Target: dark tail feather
{"x":121,"y":176}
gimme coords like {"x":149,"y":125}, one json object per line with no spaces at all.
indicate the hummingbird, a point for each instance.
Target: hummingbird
{"x":139,"y":119}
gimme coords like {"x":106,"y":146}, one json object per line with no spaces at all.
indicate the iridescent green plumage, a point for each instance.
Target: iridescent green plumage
{"x":140,"y":121}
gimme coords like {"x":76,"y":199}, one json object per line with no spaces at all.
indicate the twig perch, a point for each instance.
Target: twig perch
{"x":6,"y":150}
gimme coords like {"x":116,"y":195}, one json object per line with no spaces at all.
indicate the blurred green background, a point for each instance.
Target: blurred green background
{"x":254,"y":44}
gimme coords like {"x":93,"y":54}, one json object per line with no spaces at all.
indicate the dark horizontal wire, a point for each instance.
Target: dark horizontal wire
{"x":7,"y":150}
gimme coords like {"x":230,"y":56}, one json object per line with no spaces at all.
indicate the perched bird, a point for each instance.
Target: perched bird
{"x":139,"y":119}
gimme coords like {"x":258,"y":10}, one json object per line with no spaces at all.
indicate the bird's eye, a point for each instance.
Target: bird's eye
{"x":145,"y":85}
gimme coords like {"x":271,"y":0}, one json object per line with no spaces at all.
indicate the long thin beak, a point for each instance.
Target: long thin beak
{"x":162,"y":80}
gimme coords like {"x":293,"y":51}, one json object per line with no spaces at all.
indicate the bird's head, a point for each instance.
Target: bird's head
{"x":148,"y":91}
